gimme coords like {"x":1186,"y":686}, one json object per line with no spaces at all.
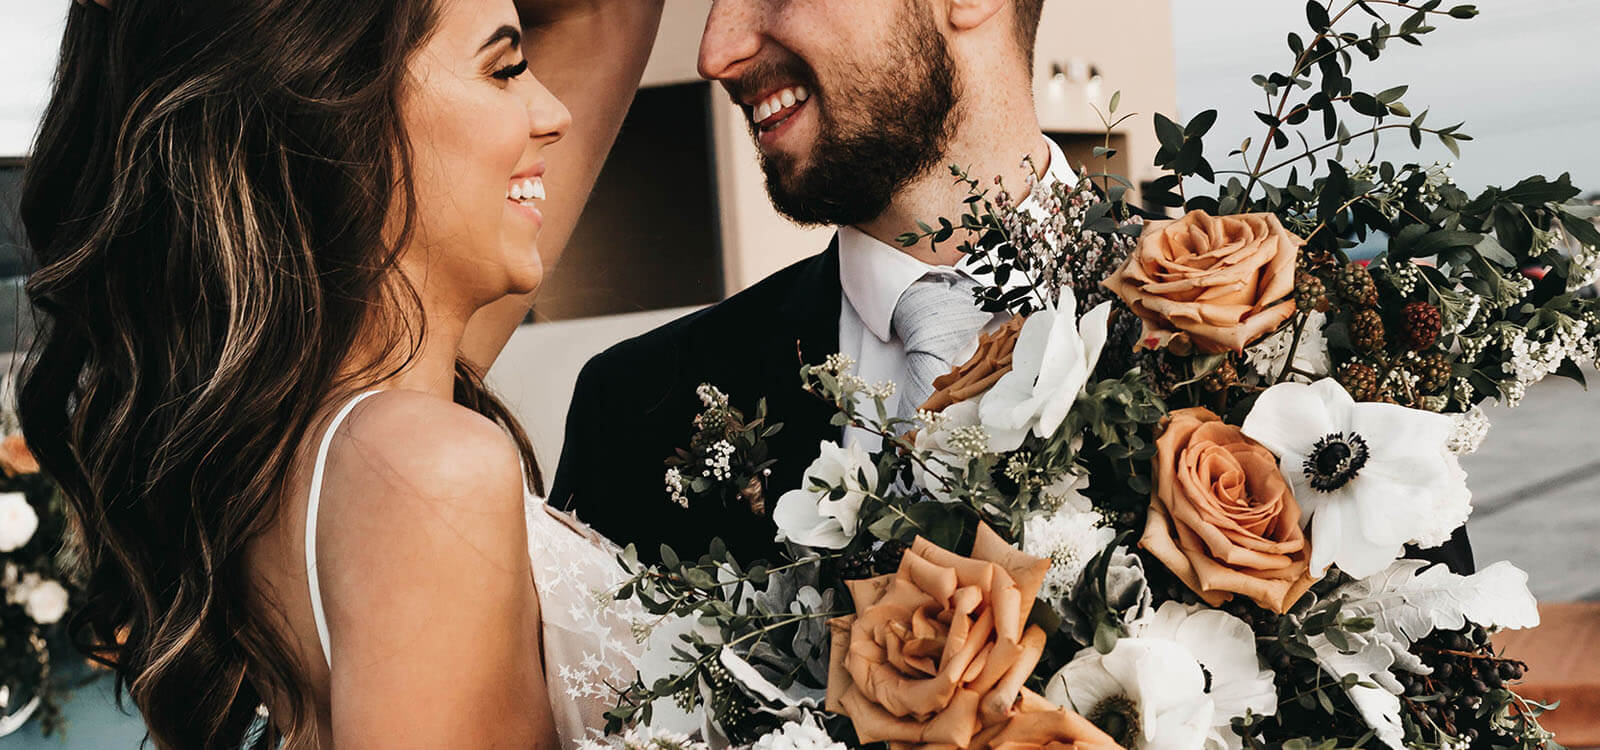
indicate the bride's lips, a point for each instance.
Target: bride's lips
{"x":525,"y":188}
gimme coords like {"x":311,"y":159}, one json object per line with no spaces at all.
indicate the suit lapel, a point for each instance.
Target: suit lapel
{"x":810,"y":316}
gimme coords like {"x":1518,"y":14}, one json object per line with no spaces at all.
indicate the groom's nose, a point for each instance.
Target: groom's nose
{"x":732,"y":38}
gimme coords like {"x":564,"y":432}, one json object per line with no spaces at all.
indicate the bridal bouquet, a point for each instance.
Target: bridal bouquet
{"x":1168,"y":503}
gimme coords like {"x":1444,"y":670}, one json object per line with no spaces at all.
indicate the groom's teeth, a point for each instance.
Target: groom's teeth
{"x":787,"y":97}
{"x":800,"y":94}
{"x":761,"y":112}
{"x":784,"y":99}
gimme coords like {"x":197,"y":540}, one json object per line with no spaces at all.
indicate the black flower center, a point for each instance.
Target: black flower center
{"x":1207,"y":673}
{"x":1118,"y":716}
{"x":1335,"y":460}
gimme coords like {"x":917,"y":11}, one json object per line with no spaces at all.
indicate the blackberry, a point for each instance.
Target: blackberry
{"x":1310,"y":293}
{"x":1366,"y":331}
{"x":886,"y":559}
{"x":1433,"y":372}
{"x":1354,"y":284}
{"x":1360,"y":380}
{"x":1421,"y":325}
{"x":855,"y":565}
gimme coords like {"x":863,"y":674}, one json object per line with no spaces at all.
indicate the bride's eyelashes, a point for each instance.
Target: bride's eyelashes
{"x":511,"y":71}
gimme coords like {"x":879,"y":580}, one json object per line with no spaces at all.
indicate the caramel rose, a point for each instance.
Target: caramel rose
{"x":987,"y":365}
{"x":1222,"y":518}
{"x":15,"y":458}
{"x":937,"y":653}
{"x":1209,"y":283}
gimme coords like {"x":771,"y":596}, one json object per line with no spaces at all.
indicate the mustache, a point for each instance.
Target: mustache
{"x":766,"y":76}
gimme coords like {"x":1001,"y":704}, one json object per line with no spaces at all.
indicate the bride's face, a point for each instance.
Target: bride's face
{"x":477,"y":124}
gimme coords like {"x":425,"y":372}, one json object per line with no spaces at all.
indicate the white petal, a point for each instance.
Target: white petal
{"x":1358,"y":553}
{"x":1395,"y":432}
{"x":798,"y":520}
{"x":1291,"y":417}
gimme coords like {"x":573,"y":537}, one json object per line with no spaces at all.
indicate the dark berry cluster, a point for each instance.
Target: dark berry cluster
{"x":1466,"y":674}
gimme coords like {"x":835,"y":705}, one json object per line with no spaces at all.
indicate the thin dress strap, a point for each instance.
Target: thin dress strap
{"x":312,"y":504}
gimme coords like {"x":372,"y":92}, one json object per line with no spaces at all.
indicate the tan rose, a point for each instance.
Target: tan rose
{"x":937,"y":653}
{"x":987,"y":365}
{"x":1221,"y":516}
{"x":1209,"y":283}
{"x":15,"y":458}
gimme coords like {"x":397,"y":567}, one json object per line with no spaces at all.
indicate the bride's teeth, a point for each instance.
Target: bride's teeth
{"x":787,"y":97}
{"x":516,"y":191}
{"x":538,"y":189}
{"x":527,"y":188}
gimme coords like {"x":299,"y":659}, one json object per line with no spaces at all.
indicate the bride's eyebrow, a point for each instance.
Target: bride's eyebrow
{"x":509,"y":33}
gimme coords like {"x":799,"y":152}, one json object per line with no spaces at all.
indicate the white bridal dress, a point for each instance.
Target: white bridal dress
{"x":590,"y":652}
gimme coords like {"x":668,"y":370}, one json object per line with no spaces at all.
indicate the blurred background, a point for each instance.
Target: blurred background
{"x":680,"y":218}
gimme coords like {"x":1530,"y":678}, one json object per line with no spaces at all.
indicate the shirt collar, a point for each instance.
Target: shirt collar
{"x":873,"y":274}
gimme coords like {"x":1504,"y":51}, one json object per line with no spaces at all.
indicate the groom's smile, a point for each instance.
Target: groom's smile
{"x":776,"y":113}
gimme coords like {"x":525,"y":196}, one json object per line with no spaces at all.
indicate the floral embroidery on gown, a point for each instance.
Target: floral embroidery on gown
{"x":590,"y":648}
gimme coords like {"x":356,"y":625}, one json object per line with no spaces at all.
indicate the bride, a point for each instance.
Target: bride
{"x":262,"y":229}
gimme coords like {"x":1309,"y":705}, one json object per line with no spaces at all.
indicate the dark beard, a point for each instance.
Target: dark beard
{"x":896,"y":128}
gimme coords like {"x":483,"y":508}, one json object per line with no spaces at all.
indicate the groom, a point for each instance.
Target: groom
{"x":856,"y":109}
{"x":874,"y":100}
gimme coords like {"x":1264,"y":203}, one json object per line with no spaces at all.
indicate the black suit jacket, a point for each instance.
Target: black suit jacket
{"x":635,"y":403}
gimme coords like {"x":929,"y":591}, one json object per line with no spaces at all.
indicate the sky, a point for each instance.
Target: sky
{"x":1523,"y":77}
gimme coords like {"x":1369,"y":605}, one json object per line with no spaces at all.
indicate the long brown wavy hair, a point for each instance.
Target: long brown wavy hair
{"x":207,"y":201}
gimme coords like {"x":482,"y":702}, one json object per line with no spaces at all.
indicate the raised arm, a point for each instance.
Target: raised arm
{"x":591,"y":55}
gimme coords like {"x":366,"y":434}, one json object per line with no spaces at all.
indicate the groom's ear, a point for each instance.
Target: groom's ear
{"x":966,"y":15}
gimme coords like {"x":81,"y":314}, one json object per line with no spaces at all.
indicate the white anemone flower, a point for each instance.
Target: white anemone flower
{"x":1054,"y":356}
{"x":814,"y":517}
{"x":1225,"y":648}
{"x":1147,"y":693}
{"x":1371,"y":477}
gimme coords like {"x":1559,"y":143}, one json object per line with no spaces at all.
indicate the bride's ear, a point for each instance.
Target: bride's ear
{"x":966,"y":15}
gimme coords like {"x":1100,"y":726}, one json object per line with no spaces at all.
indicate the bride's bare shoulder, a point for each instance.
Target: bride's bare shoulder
{"x":419,"y":447}
{"x":418,"y":489}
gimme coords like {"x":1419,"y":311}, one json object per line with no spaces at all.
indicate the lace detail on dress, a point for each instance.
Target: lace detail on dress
{"x":590,"y":650}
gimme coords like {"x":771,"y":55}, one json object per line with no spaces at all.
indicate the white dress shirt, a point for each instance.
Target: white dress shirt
{"x":873,"y":275}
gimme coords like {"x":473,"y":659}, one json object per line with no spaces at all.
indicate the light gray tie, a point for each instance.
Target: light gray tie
{"x":937,"y":319}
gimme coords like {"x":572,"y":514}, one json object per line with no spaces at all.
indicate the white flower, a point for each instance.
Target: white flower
{"x":941,"y":443}
{"x":1053,"y":359}
{"x":1069,"y":538}
{"x":1471,"y":427}
{"x":798,"y":735}
{"x":1150,"y":688}
{"x":18,"y":521}
{"x":46,"y":602}
{"x":812,"y":516}
{"x":1371,"y":477}
{"x":658,"y":660}
{"x":1225,"y":648}
{"x":1269,"y":355}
